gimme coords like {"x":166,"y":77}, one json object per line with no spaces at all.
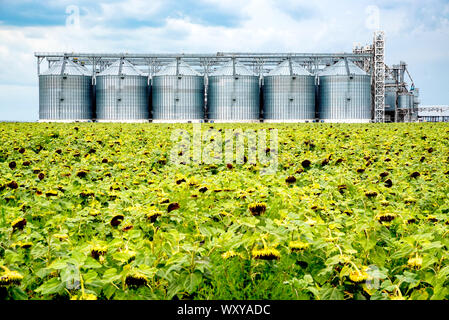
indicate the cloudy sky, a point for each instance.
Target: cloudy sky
{"x":417,"y":32}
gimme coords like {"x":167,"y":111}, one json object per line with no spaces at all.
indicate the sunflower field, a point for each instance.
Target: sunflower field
{"x":97,"y":211}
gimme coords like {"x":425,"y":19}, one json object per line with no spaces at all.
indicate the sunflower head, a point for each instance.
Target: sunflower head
{"x":98,"y":251}
{"x":26,"y":245}
{"x":266,"y":254}
{"x":18,"y":224}
{"x":415,"y":262}
{"x":10,"y":278}
{"x":358,"y":276}
{"x":84,"y":296}
{"x":257,"y":209}
{"x":52,"y":193}
{"x":117,"y":220}
{"x":60,"y":236}
{"x":136,"y":279}
{"x":231,"y":254}
{"x":152,"y":215}
{"x":128,"y":226}
{"x":371,"y":194}
{"x":298,"y":246}
{"x":386,"y":217}
{"x":94,"y":212}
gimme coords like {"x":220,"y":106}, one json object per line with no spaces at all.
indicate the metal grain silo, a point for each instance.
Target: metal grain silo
{"x":289,"y":94}
{"x":344,"y":94}
{"x":390,"y":95}
{"x":178,"y":94}
{"x":122,"y":94}
{"x":233,"y":94}
{"x":65,"y":93}
{"x":404,"y":100}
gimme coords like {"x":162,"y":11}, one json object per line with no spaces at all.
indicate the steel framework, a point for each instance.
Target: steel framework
{"x":260,"y":63}
{"x":379,"y":76}
{"x":370,"y":58}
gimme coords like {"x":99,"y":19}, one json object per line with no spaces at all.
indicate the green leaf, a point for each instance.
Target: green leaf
{"x":50,"y":287}
{"x":91,"y":263}
{"x":58,"y":265}
{"x":330,"y":293}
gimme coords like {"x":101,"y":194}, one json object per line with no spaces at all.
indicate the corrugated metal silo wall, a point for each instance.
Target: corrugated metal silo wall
{"x":233,"y":98}
{"x":178,"y":98}
{"x":122,"y":98}
{"x":342,"y":98}
{"x":289,"y":98}
{"x":65,"y":97}
{"x":403,"y":101}
{"x":390,"y":100}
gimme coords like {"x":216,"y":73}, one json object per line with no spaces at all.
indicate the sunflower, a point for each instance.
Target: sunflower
{"x":153,"y":215}
{"x":257,"y":209}
{"x":290,"y":179}
{"x":358,"y":276}
{"x":415,"y":262}
{"x":371,"y":194}
{"x":84,"y":296}
{"x":231,"y":254}
{"x":18,"y":224}
{"x":386,"y":217}
{"x":60,"y":236}
{"x":136,"y":279}
{"x":128,"y":226}
{"x":116,"y":220}
{"x":410,"y":200}
{"x":9,"y":277}
{"x":266,"y":254}
{"x":97,"y":251}
{"x":25,"y":245}
{"x":94,"y":212}
{"x":51,"y":193}
{"x":298,"y":246}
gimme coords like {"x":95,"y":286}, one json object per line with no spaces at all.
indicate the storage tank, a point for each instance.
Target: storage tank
{"x":404,"y":100}
{"x":178,"y":94}
{"x":65,"y":93}
{"x":122,"y":94}
{"x":390,"y":95}
{"x":233,"y":94}
{"x":289,"y":94}
{"x":344,"y":94}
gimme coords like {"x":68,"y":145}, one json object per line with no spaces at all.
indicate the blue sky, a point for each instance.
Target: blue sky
{"x":417,"y":32}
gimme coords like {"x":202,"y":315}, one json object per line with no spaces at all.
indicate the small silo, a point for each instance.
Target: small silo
{"x":404,"y":100}
{"x":65,"y":93}
{"x":178,"y":94}
{"x":122,"y":94}
{"x":233,"y":94}
{"x":289,"y":94}
{"x":344,"y":94}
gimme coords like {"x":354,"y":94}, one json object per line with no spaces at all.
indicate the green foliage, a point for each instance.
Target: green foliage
{"x":84,"y":214}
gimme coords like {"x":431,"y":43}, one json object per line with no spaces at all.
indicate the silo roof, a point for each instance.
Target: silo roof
{"x":339,"y":69}
{"x":283,"y":69}
{"x":227,"y":70}
{"x":70,"y":68}
{"x":183,"y":69}
{"x":127,"y":69}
